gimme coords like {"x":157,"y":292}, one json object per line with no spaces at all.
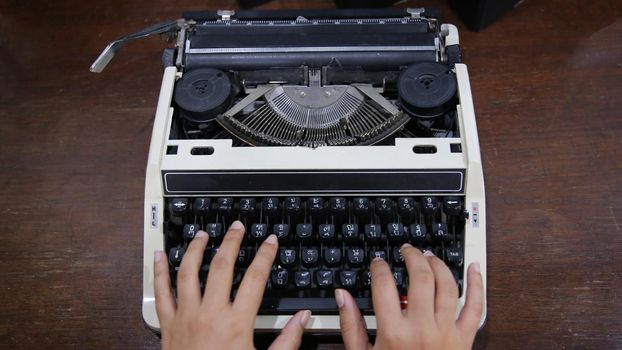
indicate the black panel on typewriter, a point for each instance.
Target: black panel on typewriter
{"x":325,"y":242}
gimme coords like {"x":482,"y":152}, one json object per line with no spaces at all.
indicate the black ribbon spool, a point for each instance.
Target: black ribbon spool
{"x":203,"y":94}
{"x":427,"y":90}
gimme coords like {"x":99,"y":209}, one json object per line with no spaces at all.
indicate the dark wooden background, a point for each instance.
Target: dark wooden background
{"x":547,"y":85}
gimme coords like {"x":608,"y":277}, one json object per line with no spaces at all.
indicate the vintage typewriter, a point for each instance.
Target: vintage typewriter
{"x":345,"y":133}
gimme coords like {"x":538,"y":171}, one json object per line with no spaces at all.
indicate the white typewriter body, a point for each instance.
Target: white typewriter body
{"x":454,"y":158}
{"x":232,"y":159}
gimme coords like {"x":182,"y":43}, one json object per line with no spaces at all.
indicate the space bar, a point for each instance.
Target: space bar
{"x":316,"y":305}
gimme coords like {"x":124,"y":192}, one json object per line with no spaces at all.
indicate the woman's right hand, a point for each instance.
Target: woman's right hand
{"x":428,"y":322}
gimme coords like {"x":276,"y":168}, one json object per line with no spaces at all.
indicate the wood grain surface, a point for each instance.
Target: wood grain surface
{"x":547,"y":85}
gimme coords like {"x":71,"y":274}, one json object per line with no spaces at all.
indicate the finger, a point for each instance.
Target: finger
{"x":421,"y":283}
{"x":384,"y":294}
{"x":351,"y":322}
{"x":291,"y":335}
{"x":164,"y":300}
{"x":446,"y":299}
{"x":220,"y":276}
{"x":469,"y":319}
{"x":188,"y":289}
{"x":248,"y":297}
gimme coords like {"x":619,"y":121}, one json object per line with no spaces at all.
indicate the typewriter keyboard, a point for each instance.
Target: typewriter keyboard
{"x":324,"y":242}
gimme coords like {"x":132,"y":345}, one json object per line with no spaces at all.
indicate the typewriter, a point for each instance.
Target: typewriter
{"x":344,"y":132}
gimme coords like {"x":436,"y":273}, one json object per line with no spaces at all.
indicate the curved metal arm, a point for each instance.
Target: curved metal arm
{"x":112,"y":48}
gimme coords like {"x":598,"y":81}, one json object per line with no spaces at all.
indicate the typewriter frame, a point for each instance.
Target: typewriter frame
{"x":228,"y":158}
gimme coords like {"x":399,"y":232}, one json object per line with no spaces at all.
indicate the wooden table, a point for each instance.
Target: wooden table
{"x":547,"y":84}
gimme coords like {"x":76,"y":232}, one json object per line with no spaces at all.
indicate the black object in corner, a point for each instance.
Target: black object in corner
{"x":478,"y":14}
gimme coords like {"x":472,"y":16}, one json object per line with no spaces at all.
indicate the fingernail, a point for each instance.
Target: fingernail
{"x":304,"y":319}
{"x":476,"y":267}
{"x":157,"y":255}
{"x":271,"y":239}
{"x":428,"y":253}
{"x":339,"y":298}
{"x":405,"y":245}
{"x":200,"y":234}
{"x":237,"y":225}
{"x":376,"y":259}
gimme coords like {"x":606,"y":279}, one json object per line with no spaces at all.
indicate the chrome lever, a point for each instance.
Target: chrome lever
{"x":108,"y":53}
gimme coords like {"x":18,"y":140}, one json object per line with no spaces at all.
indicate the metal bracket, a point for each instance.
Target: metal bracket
{"x":415,"y":12}
{"x":225,"y":15}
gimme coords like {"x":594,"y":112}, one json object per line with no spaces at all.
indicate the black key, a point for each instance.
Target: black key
{"x":459,"y":282}
{"x":360,"y":205}
{"x":366,"y":278}
{"x":429,"y":205}
{"x":279,"y":278}
{"x":338,"y":206}
{"x":179,"y":206}
{"x":418,"y":234}
{"x":175,"y":255}
{"x":281,"y":231}
{"x":440,"y":233}
{"x":372,"y":233}
{"x":396,"y":255}
{"x":244,"y":257}
{"x":270,"y":206}
{"x":315,"y":206}
{"x":292,"y":205}
{"x":324,"y":278}
{"x":395,"y":233}
{"x":456,"y":275}
{"x":332,"y":256}
{"x":376,"y":253}
{"x":201,"y":206}
{"x":350,"y":232}
{"x":174,"y":273}
{"x":452,"y":205}
{"x":237,"y":278}
{"x":190,"y":230}
{"x":209,"y":254}
{"x":457,"y":279}
{"x":384,"y":206}
{"x":203,"y":275}
{"x":454,"y":256}
{"x":406,"y":207}
{"x":326,"y":233}
{"x":310,"y":257}
{"x":259,"y":232}
{"x":224,"y":205}
{"x":303,"y":232}
{"x":398,"y":276}
{"x":287,"y":257}
{"x":302,"y":279}
{"x":347,"y":279}
{"x":356,"y":256}
{"x":247,"y":207}
{"x":214,"y":230}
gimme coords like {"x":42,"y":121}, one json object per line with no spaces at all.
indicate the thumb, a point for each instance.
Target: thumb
{"x":291,"y":335}
{"x":353,"y":329}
